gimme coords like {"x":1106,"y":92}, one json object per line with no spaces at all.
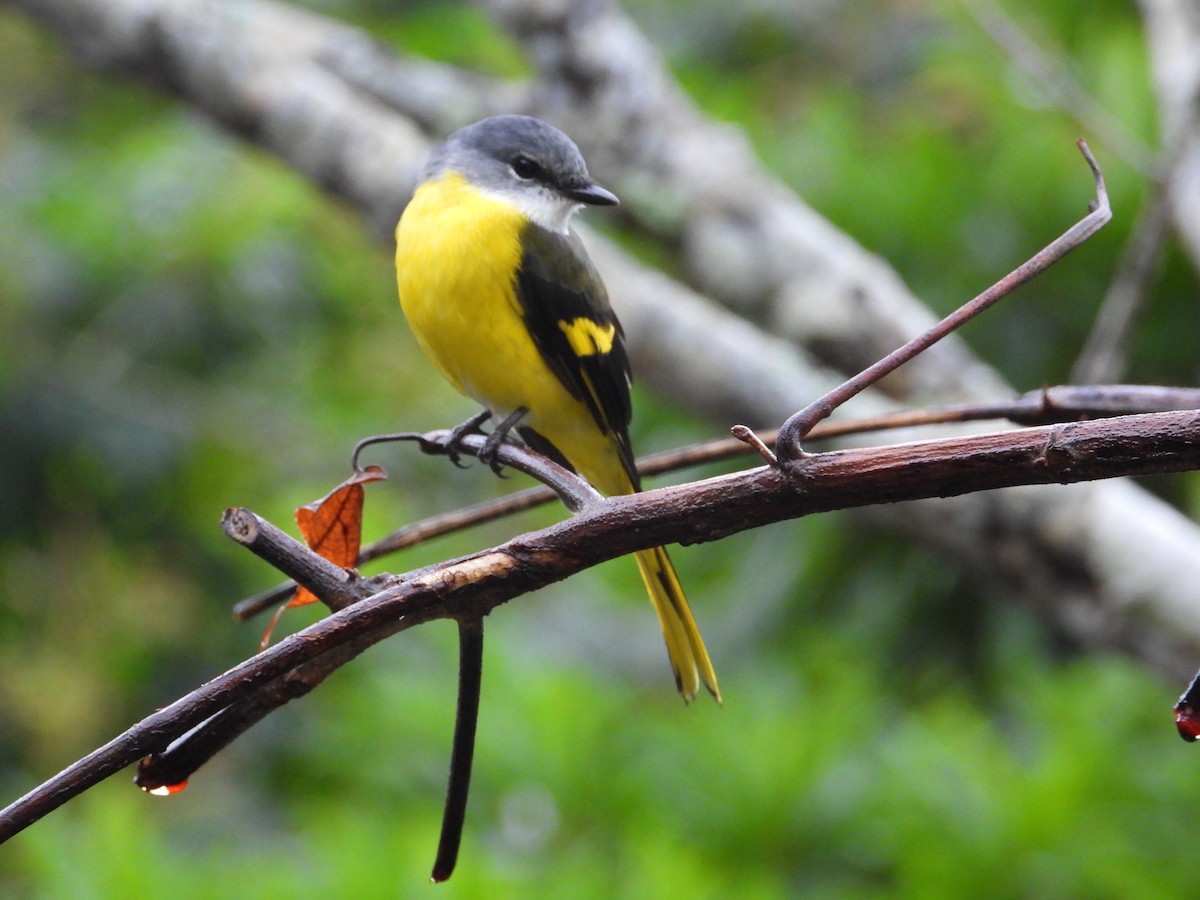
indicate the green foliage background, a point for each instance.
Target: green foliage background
{"x":185,"y":325}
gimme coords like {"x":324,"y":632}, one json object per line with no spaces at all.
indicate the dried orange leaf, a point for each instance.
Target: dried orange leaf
{"x":332,"y":527}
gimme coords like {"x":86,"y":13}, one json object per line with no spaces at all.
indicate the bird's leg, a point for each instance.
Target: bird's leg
{"x":471,"y":426}
{"x":491,"y":446}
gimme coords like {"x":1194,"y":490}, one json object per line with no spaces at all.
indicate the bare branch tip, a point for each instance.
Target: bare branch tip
{"x":1101,"y":201}
{"x":240,"y":524}
{"x":747,"y":436}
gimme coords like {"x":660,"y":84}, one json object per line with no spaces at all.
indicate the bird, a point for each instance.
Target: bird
{"x":503,"y":298}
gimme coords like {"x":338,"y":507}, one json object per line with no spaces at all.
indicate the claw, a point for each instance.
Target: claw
{"x":491,"y":446}
{"x":471,"y":426}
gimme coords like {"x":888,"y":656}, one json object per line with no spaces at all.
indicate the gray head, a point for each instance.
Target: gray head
{"x":524,"y":161}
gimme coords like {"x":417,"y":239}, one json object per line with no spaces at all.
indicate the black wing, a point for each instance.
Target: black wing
{"x":567,"y":311}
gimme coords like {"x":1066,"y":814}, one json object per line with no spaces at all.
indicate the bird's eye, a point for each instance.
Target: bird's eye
{"x":525,"y":167}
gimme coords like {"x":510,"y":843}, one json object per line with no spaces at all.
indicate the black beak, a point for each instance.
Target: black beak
{"x":590,"y":193}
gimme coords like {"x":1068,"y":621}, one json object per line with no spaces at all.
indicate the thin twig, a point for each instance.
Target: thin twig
{"x":747,"y":436}
{"x":574,"y":492}
{"x":794,"y":430}
{"x":470,"y":679}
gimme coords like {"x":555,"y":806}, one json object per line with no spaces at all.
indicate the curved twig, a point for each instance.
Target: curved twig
{"x":788,"y":444}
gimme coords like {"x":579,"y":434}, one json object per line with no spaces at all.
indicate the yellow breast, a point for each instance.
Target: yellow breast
{"x":457,"y":252}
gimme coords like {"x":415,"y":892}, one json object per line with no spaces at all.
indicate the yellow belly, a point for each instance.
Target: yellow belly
{"x":457,"y":253}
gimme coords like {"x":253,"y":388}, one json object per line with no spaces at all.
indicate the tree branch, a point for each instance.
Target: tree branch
{"x":702,"y":511}
{"x":798,"y":426}
{"x":1065,"y":403}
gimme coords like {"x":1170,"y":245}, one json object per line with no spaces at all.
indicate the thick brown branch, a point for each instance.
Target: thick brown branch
{"x":692,"y":513}
{"x":1066,"y":403}
{"x":841,"y":479}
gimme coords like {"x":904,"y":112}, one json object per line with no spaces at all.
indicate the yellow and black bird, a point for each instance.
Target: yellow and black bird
{"x":504,"y":300}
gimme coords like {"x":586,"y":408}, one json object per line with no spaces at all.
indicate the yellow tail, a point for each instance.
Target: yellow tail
{"x":685,"y":647}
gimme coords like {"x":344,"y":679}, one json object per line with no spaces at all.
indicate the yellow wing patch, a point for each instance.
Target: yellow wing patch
{"x":588,"y":337}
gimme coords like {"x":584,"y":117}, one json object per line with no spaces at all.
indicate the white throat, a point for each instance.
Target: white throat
{"x":542,"y":207}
